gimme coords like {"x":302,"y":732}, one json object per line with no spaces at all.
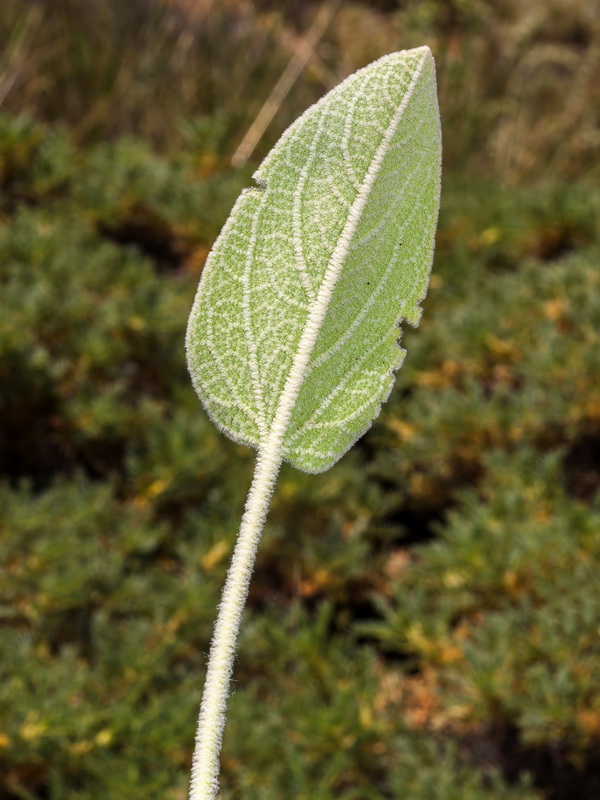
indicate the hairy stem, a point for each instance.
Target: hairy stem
{"x":205,"y":768}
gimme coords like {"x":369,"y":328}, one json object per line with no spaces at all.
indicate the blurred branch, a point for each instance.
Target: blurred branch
{"x":285,"y":83}
{"x":17,"y":51}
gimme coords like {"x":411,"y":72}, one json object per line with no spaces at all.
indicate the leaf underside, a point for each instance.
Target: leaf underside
{"x":347,"y":198}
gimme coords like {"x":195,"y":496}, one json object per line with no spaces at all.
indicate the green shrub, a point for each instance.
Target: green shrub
{"x":421,"y":622}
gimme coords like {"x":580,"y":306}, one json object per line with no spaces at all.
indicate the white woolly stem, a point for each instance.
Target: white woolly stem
{"x":205,"y":768}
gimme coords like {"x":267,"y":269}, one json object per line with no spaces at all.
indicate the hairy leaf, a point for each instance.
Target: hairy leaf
{"x":293,"y":338}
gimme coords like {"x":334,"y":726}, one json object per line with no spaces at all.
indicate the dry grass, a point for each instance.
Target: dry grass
{"x":519,"y":82}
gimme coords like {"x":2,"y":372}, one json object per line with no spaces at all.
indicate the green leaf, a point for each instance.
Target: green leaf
{"x":293,"y":339}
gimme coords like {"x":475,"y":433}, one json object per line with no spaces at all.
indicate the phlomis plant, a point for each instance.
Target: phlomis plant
{"x":293,"y":339}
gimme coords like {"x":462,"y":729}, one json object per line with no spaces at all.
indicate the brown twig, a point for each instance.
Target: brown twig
{"x":285,"y":83}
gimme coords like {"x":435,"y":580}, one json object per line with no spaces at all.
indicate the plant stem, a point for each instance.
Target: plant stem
{"x":209,"y":735}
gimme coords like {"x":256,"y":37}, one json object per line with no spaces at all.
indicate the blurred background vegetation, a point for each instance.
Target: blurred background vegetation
{"x":424,"y":618}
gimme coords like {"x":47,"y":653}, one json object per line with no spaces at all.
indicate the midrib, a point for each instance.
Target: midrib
{"x":271,"y":448}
